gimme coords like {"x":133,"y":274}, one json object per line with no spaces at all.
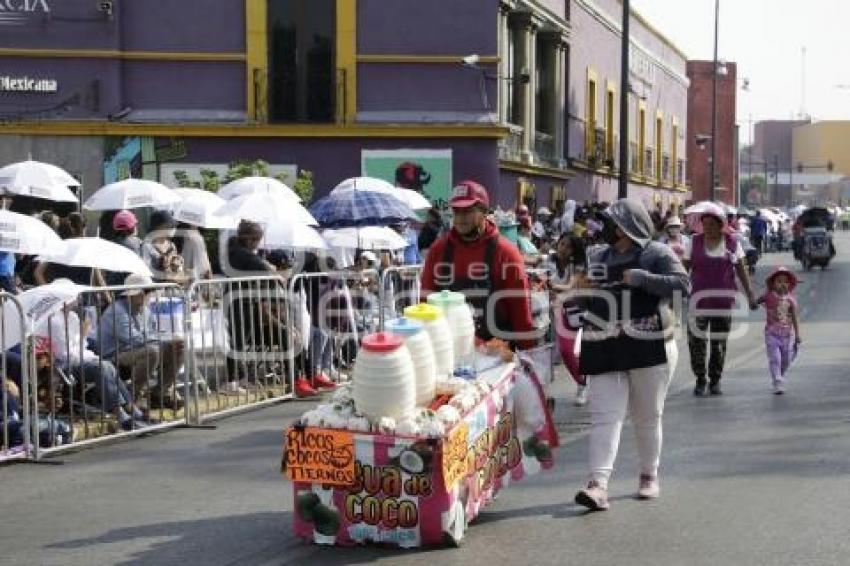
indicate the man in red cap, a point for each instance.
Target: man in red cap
{"x":475,"y":260}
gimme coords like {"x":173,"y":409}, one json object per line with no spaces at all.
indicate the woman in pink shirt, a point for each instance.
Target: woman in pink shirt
{"x":782,"y":329}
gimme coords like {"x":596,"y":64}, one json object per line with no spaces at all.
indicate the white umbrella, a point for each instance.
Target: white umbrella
{"x":198,"y":207}
{"x":23,"y":234}
{"x":266,"y":208}
{"x":292,"y":235}
{"x":251,"y":185}
{"x":100,"y":254}
{"x":412,"y":199}
{"x":797,"y":211}
{"x":37,"y":179}
{"x":367,"y":238}
{"x":37,"y":305}
{"x":131,"y":193}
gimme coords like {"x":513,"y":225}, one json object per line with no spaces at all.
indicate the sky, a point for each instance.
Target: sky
{"x":766,"y":38}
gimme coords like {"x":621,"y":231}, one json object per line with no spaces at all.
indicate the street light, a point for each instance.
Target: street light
{"x":472,"y":61}
{"x":623,"y":182}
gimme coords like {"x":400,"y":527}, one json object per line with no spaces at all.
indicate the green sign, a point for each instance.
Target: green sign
{"x":425,"y":170}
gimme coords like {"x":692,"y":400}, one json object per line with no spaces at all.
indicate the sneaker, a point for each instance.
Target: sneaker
{"x":321,"y":381}
{"x":594,"y":497}
{"x":648,"y":487}
{"x":304,"y":389}
{"x":714,"y":389}
{"x":778,"y":388}
{"x":581,"y":396}
{"x":699,"y":390}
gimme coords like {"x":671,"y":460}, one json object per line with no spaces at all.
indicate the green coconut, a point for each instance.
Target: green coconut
{"x":305,"y":505}
{"x":542,"y":452}
{"x":326,"y":520}
{"x":529,"y":446}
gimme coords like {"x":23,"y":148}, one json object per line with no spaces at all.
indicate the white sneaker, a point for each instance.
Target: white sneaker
{"x":581,"y":396}
{"x":778,"y":388}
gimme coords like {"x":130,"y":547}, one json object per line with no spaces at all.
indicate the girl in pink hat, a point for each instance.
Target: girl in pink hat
{"x":782,"y":329}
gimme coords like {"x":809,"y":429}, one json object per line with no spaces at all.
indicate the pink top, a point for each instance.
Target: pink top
{"x":779,"y":308}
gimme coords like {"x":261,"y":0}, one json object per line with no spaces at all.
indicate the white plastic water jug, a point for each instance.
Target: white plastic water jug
{"x":418,"y":343}
{"x":384,"y":383}
{"x":438,"y":330}
{"x":459,"y":316}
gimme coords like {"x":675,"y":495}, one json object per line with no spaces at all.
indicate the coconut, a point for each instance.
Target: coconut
{"x":335,"y":420}
{"x":448,"y":415}
{"x":326,"y":520}
{"x":432,"y":428}
{"x":305,"y":504}
{"x":312,"y":418}
{"x":407,"y":427}
{"x":386,"y":425}
{"x":359,"y":423}
{"x":464,"y":401}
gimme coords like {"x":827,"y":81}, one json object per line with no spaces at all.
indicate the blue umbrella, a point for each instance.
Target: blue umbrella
{"x":360,"y":208}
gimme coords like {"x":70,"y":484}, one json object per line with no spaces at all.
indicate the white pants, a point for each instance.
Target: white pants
{"x":639,"y":393}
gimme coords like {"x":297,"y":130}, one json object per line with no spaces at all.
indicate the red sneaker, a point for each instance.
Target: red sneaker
{"x":321,"y":381}
{"x":304,"y":389}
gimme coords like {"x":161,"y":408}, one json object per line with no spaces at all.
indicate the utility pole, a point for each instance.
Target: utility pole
{"x":713,"y":179}
{"x":623,"y":186}
{"x":775,"y":178}
{"x":750,"y":156}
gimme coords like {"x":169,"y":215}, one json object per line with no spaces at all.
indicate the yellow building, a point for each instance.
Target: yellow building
{"x":818,"y":143}
{"x":821,"y":158}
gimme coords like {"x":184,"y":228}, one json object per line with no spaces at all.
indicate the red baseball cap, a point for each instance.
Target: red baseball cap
{"x":469,"y":193}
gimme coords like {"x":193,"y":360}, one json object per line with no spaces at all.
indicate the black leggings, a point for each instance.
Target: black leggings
{"x":713,"y":329}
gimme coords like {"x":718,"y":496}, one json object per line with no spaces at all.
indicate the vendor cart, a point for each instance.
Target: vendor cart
{"x":358,"y":487}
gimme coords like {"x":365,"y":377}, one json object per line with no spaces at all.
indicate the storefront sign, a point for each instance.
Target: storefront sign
{"x":320,"y":455}
{"x":27,"y":84}
{"x":16,"y":12}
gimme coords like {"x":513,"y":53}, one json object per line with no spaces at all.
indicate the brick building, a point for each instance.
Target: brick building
{"x":699,"y":130}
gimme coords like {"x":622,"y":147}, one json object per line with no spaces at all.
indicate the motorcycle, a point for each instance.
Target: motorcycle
{"x":814,"y":246}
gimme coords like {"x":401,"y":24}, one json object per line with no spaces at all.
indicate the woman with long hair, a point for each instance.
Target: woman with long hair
{"x":570,"y":260}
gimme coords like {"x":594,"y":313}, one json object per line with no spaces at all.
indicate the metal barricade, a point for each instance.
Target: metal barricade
{"x":15,"y":421}
{"x":400,"y":287}
{"x":241,"y":334}
{"x":109,"y":365}
{"x":340,"y":307}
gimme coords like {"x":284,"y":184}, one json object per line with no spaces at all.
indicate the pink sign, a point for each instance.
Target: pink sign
{"x":400,"y":494}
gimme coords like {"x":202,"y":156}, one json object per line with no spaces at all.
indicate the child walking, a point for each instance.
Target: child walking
{"x":782,"y":330}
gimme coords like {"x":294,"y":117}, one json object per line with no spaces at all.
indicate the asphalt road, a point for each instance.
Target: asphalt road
{"x":747,"y":479}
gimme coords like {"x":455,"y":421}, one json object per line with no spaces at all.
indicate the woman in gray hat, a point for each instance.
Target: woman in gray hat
{"x":627,"y":350}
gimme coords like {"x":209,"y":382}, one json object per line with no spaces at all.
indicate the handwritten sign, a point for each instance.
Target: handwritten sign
{"x":318,"y":455}
{"x":455,"y":450}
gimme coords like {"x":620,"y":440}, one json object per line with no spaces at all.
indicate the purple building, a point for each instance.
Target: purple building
{"x":336,"y":87}
{"x":658,"y":98}
{"x":426,"y":92}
